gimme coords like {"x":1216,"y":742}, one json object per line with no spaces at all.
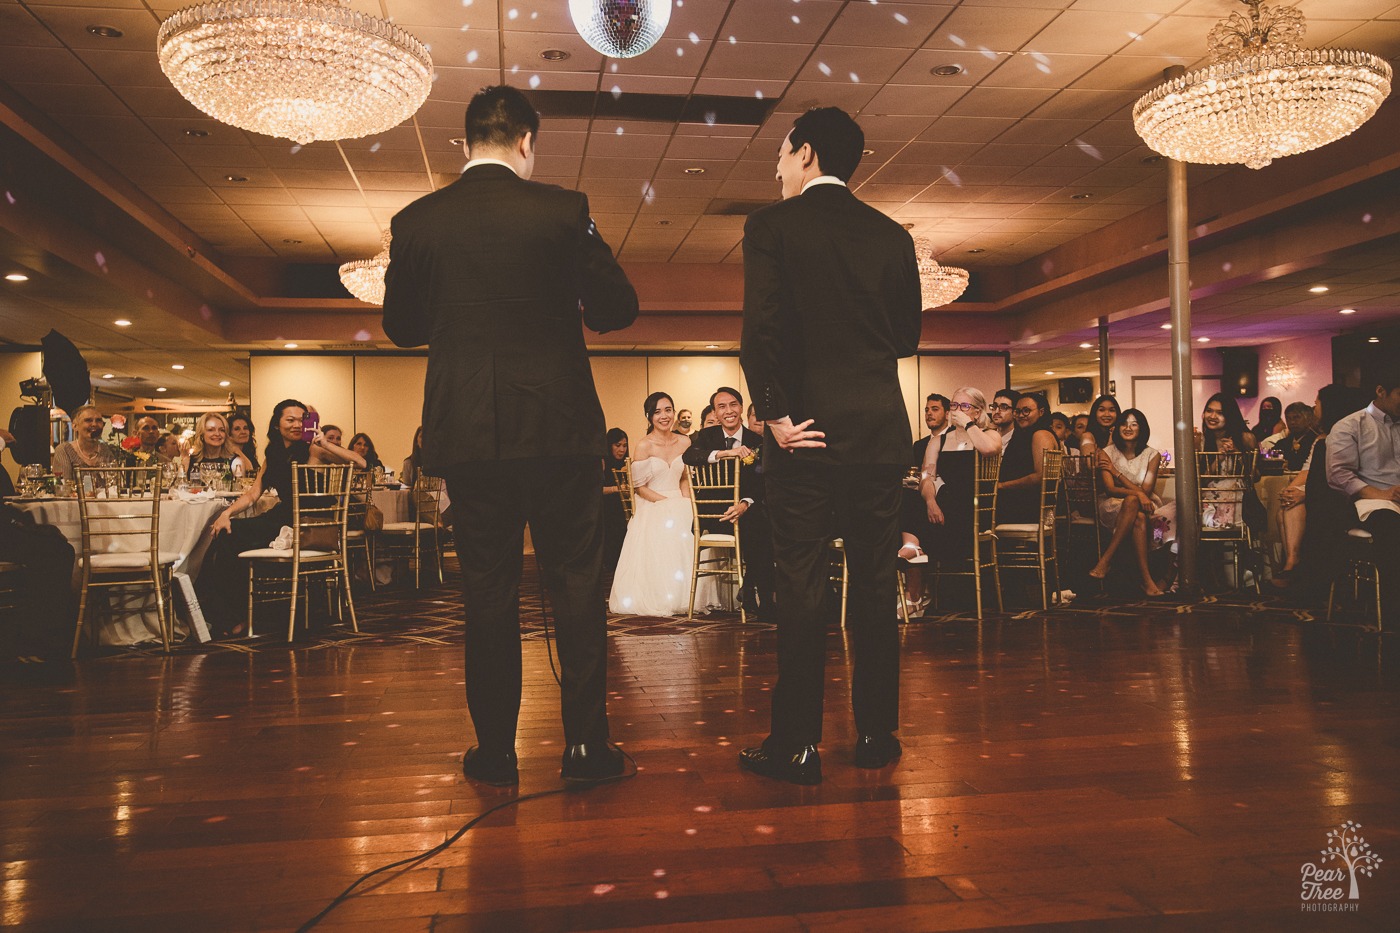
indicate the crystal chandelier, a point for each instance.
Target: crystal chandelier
{"x":1262,"y":97}
{"x":1281,"y":371}
{"x":620,"y":28}
{"x":940,"y":285}
{"x":299,"y":69}
{"x":364,"y":278}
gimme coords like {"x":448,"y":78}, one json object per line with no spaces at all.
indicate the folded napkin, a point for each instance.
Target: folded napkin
{"x":204,"y":495}
{"x":283,"y":541}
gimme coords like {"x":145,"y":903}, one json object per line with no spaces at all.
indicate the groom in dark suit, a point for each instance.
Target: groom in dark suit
{"x":727,"y":439}
{"x":831,"y":302}
{"x":491,"y":272}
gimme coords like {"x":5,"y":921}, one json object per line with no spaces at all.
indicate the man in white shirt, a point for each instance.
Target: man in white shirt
{"x":1363,"y":461}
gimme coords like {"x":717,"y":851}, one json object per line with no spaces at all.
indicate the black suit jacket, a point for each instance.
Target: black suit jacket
{"x":707,"y":440}
{"x":490,"y":272}
{"x":831,"y":302}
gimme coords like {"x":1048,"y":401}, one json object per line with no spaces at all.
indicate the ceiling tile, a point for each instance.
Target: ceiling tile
{"x":887,"y":25}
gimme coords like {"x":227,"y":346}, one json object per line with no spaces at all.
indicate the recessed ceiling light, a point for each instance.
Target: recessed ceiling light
{"x":161,"y":389}
{"x":1009,"y":365}
{"x":291,"y":242}
{"x":711,"y":346}
{"x":1373,"y":340}
{"x":977,"y":250}
{"x":224,"y":384}
{"x":554,"y":55}
{"x":663,"y":223}
{"x":177,"y":365}
{"x":109,"y":376}
{"x":1049,"y":372}
{"x":1203,"y":340}
{"x":457,"y":141}
{"x":1166,"y":327}
{"x":238,"y":179}
{"x":1084,"y":196}
{"x":1153,"y":159}
{"x":105,"y":32}
{"x":945,"y":71}
{"x":1343,"y":311}
{"x":695,"y":170}
{"x":1319,"y":289}
{"x":289,"y":346}
{"x":16,"y":277}
{"x":866,"y":152}
{"x":196,"y":134}
{"x":1085,"y":346}
{"x":122,"y":322}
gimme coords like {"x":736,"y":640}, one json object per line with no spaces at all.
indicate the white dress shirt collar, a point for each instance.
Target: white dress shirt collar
{"x":473,"y":163}
{"x":822,"y":180}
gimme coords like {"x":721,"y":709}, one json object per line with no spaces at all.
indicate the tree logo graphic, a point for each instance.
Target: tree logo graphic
{"x":1323,"y":886}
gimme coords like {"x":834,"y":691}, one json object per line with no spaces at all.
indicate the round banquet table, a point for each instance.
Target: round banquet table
{"x":183,"y":527}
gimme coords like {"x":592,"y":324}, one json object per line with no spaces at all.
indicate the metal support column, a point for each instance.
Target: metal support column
{"x":1188,"y":519}
{"x":1103,"y":360}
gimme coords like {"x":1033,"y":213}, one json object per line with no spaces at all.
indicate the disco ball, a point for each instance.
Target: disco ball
{"x":620,"y":28}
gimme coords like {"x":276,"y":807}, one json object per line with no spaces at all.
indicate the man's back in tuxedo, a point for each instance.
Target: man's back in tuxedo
{"x":831,"y":302}
{"x":491,"y":273}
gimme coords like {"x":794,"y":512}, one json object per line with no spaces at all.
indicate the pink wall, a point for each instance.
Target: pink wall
{"x":1311,"y":356}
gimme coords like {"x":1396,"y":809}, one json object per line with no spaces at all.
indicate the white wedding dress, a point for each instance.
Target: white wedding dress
{"x":653,"y":572}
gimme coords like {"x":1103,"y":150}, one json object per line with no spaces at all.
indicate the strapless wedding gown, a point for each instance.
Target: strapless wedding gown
{"x":654,"y":570}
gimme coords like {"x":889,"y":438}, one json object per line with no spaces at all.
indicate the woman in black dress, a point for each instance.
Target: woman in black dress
{"x":1018,"y":486}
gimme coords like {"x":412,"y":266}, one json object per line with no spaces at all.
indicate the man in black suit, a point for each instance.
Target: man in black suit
{"x":831,"y":302}
{"x":491,"y":272}
{"x":728,"y":439}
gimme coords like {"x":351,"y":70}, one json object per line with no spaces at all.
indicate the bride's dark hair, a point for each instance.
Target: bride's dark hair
{"x":649,"y":406}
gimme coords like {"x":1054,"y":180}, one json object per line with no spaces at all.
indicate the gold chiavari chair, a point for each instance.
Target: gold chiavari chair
{"x":119,"y":513}
{"x":1031,"y":546}
{"x":986,"y":472}
{"x":714,"y":490}
{"x":424,"y":533}
{"x":1081,"y":494}
{"x":1224,"y":479}
{"x":320,"y":507}
{"x":358,"y":538}
{"x":623,"y":480}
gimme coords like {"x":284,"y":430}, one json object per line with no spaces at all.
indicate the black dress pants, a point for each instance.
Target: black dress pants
{"x":561,"y":500}
{"x":1384,"y":526}
{"x":808,"y":505}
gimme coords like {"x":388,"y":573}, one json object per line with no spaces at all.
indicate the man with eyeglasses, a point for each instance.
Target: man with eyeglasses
{"x":1002,"y":412}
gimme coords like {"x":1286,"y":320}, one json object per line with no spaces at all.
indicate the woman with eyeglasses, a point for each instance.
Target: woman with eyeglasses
{"x":1103,"y":415}
{"x":1128,"y":481}
{"x":1018,"y":486}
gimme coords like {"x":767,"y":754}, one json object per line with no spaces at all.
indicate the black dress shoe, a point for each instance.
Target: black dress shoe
{"x":798,"y":766}
{"x":592,"y":763}
{"x":876,"y":751}
{"x":495,"y":768}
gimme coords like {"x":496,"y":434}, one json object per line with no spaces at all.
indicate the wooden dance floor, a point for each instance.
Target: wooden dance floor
{"x":1120,"y":769}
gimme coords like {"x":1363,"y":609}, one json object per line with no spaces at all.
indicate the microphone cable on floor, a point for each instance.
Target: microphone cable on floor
{"x":443,"y":846}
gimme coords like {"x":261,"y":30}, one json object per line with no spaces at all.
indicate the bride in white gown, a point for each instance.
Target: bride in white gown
{"x":653,"y":571}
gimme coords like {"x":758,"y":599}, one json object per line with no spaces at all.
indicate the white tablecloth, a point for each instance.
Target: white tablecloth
{"x":183,"y":527}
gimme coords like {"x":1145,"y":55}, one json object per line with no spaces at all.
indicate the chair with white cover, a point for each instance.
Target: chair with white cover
{"x":714,"y":490}
{"x":421,"y":537}
{"x":119,"y":514}
{"x":1031,"y":545}
{"x":320,"y":505}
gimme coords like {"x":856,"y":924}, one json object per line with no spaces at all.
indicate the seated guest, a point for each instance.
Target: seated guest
{"x":1363,"y":462}
{"x":915,"y":528}
{"x":1128,"y":480}
{"x":1018,"y":484}
{"x":1103,"y":415}
{"x":1059,"y":426}
{"x":362,"y":445}
{"x":730,"y":439}
{"x":86,"y":448}
{"x":755,"y":422}
{"x":168,"y":448}
{"x":946,"y":481}
{"x":333,"y":434}
{"x":614,"y":515}
{"x":148,"y":435}
{"x":708,"y":418}
{"x":1223,"y":429}
{"x":224,"y":577}
{"x":408,"y":474}
{"x":1002,"y":412}
{"x":1078,"y":425}
{"x":1332,"y":404}
{"x":1295,"y":442}
{"x":240,"y":428}
{"x":213,"y":445}
{"x":1270,"y":418}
